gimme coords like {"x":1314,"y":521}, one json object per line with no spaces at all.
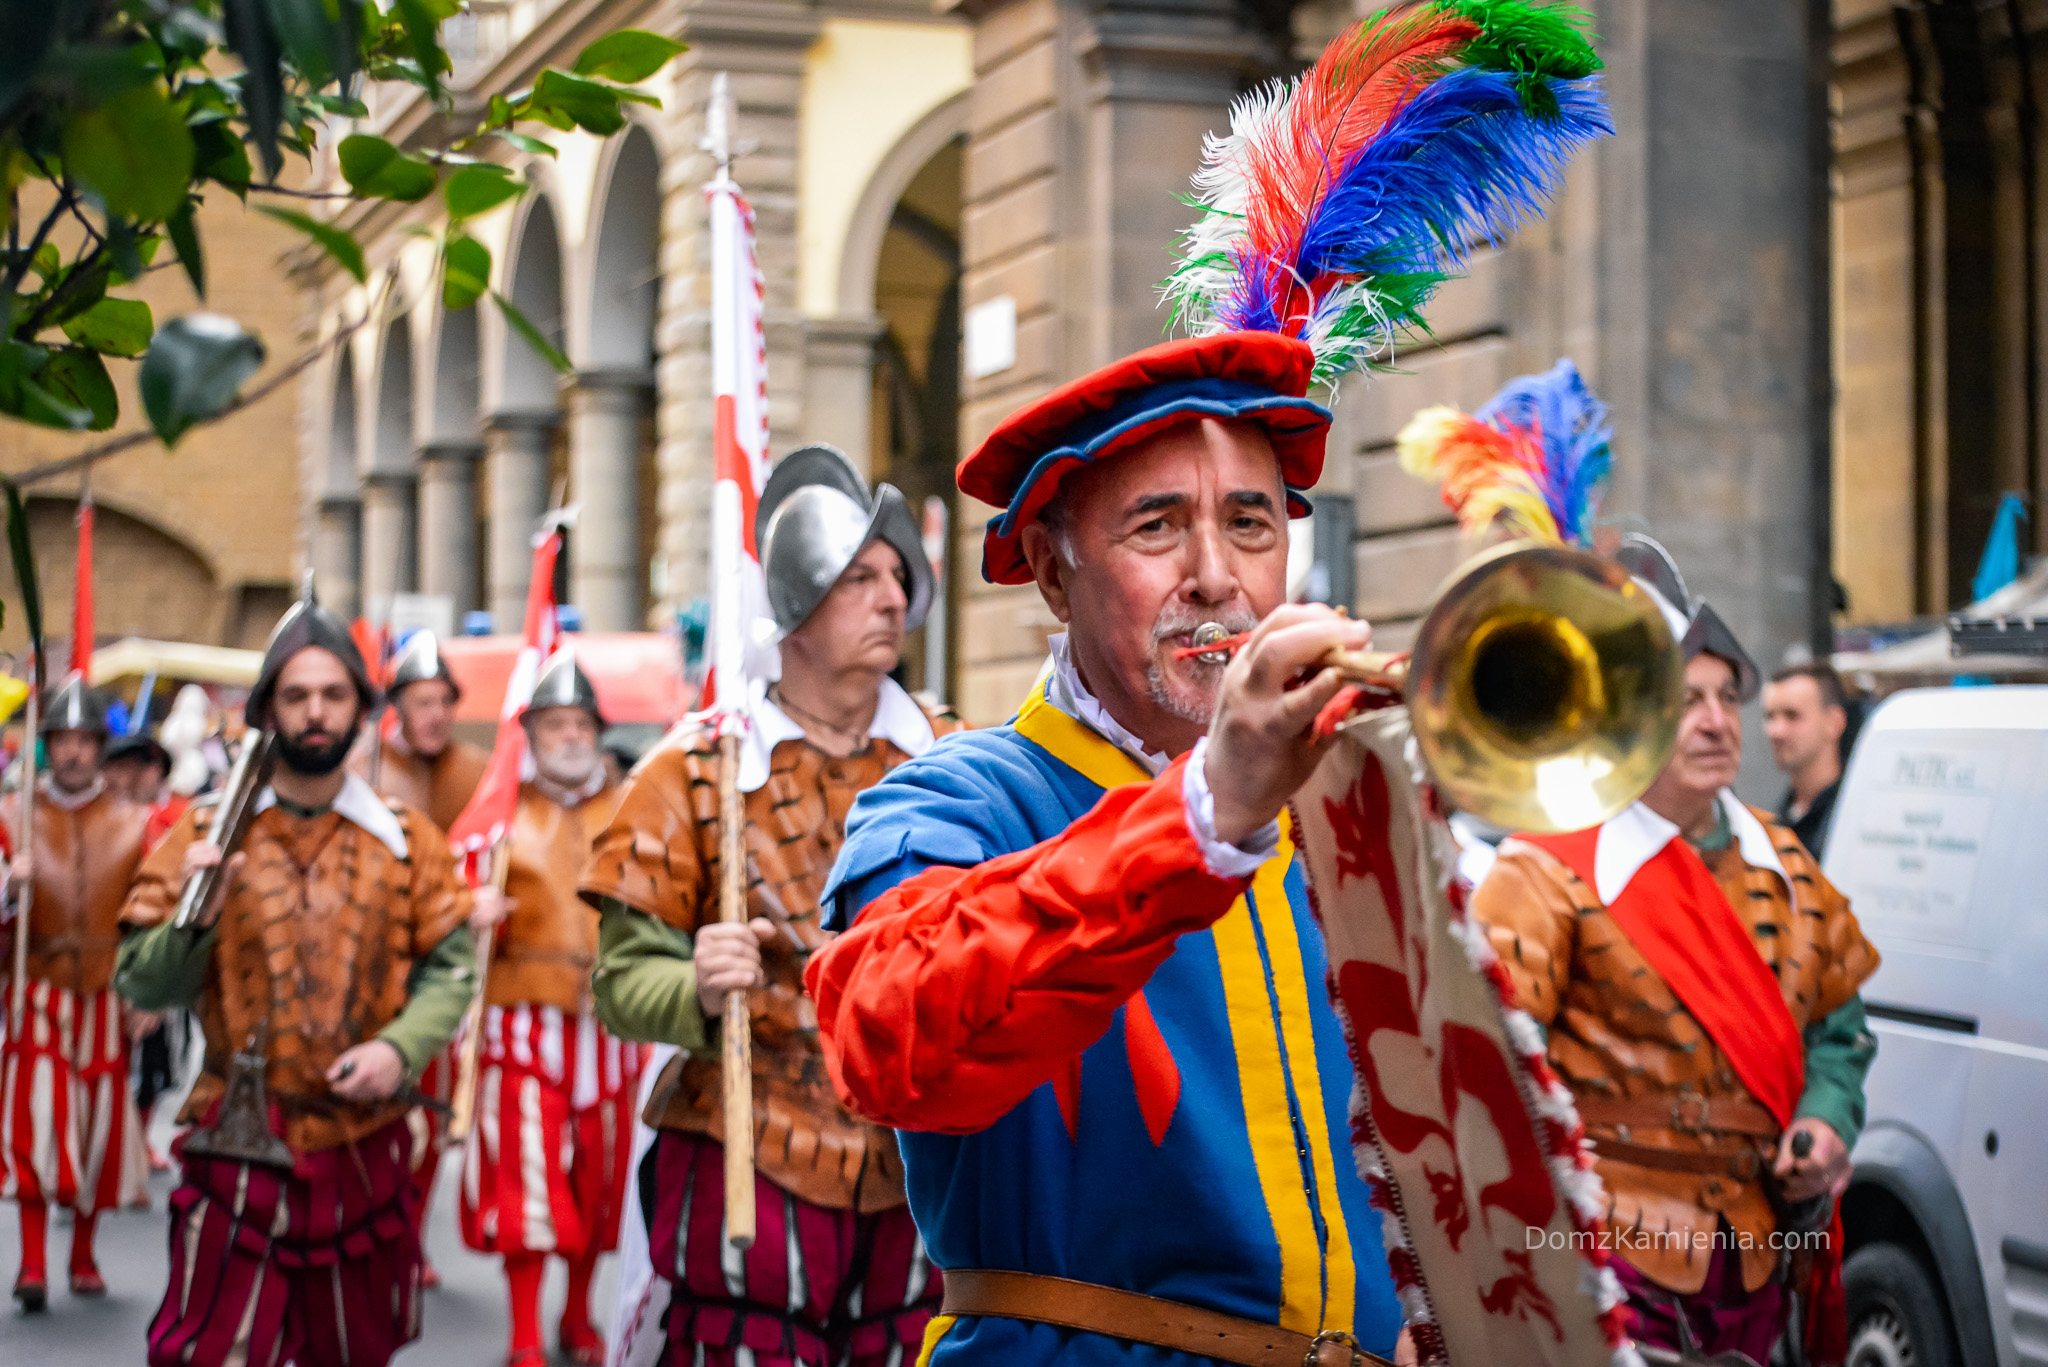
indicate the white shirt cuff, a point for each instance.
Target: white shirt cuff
{"x":1220,"y":857}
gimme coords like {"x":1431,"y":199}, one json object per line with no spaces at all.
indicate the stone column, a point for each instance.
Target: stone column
{"x":761,"y":44}
{"x":448,"y":522}
{"x":518,"y":475}
{"x":1712,"y":288}
{"x":390,"y":537}
{"x":607,"y":571}
{"x":338,"y":552}
{"x":839,"y":386}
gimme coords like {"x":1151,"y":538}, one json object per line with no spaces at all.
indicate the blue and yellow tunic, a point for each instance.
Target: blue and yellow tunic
{"x":1199,"y":1149}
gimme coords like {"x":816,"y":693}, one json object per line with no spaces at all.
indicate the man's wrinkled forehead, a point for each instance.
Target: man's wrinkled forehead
{"x":1230,"y":462}
{"x":314,"y":669}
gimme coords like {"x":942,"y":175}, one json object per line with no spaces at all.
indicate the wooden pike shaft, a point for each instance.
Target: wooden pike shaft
{"x":739,"y":1032}
{"x":26,"y":832}
{"x":462,"y":1105}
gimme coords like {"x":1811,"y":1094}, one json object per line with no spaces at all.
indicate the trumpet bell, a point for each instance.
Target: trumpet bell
{"x":1544,"y":688}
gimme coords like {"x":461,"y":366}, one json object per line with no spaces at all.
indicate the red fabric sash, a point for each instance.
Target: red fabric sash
{"x":1678,"y":918}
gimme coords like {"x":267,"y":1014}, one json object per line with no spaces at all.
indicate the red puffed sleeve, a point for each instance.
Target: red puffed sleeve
{"x":959,"y":991}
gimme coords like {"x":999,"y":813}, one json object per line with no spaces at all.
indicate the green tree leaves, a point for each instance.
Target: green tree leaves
{"x":194,"y":369}
{"x":118,"y":116}
{"x":628,"y":56}
{"x":376,"y":169}
{"x":113,"y":327}
{"x":330,"y":239}
{"x":479,"y":188}
{"x":134,"y":151}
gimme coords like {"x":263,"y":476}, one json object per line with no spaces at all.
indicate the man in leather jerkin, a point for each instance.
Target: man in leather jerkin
{"x":334,"y":950}
{"x":544,"y":1169}
{"x":69,"y":1132}
{"x":1698,"y":977}
{"x":836,"y":1270}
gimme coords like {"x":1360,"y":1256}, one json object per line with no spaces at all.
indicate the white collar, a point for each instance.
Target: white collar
{"x":358,"y":802}
{"x":1066,"y":692}
{"x":898,"y":720}
{"x":1638,"y":835}
{"x":71,"y":802}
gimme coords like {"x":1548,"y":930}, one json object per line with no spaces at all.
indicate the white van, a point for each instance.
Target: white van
{"x":1940,"y":841}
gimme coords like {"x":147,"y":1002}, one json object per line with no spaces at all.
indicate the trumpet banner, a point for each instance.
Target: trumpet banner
{"x":1470,"y":1144}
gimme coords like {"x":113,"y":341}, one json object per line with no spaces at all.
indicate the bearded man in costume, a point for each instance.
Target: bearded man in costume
{"x":426,"y":768}
{"x":332,"y":964}
{"x":544,"y":1171}
{"x":837,"y":1270}
{"x":69,"y":1132}
{"x":1698,"y":977}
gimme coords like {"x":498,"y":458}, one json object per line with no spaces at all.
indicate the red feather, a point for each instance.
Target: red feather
{"x":1361,"y":81}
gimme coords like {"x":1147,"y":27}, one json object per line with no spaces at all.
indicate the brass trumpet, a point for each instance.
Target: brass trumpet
{"x":1544,"y":687}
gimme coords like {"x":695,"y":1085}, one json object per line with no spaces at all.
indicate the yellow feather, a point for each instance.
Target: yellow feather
{"x":1421,"y":443}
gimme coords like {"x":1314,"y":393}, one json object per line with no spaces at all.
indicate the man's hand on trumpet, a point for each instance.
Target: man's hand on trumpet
{"x":1261,"y":743}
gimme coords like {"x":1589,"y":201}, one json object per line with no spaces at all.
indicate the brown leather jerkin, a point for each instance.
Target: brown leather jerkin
{"x":1137,"y":1318}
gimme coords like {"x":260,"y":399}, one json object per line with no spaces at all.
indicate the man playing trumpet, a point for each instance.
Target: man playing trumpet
{"x":331,"y":965}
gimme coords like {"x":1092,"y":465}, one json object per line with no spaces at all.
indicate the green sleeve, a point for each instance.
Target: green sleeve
{"x":438,"y":991}
{"x":1839,"y":1049}
{"x":645,"y":986}
{"x":161,"y":968}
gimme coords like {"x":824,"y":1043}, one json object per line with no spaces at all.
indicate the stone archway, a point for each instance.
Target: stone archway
{"x":146,"y":582}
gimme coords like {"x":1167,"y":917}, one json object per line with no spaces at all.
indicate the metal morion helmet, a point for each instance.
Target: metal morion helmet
{"x":562,"y":683}
{"x":304,"y":625}
{"x":1699,"y":629}
{"x":815,"y":516}
{"x":73,"y":705}
{"x":419,"y":659}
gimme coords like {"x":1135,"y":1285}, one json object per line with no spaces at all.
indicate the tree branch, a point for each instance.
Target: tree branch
{"x":93,"y":455}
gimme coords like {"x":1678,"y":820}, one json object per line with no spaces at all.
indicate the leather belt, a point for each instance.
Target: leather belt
{"x":1686,"y":1112}
{"x":1136,"y":1318}
{"x":1744,"y":1164}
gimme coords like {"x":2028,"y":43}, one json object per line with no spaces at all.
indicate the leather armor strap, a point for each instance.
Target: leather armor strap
{"x":1686,"y":1112}
{"x":1135,"y":1318}
{"x":1743,"y":1163}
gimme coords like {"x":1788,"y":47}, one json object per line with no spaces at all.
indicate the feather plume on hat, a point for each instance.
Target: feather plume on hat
{"x":1339,"y":201}
{"x":1533,"y":462}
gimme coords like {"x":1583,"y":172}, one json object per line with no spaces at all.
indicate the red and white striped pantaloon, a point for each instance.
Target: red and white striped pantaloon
{"x":69,"y":1131}
{"x":818,"y":1288}
{"x":318,"y":1267}
{"x":545,"y":1167}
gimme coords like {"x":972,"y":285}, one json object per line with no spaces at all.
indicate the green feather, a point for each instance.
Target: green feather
{"x":1538,"y":43}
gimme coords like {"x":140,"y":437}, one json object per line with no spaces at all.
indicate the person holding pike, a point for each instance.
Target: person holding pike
{"x":332,"y":963}
{"x":836,"y":1271}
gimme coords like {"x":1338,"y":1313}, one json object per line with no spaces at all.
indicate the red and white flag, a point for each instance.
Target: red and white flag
{"x":488,"y":816}
{"x":82,"y":628}
{"x":739,"y":378}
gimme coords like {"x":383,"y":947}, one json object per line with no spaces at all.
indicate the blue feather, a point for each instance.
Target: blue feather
{"x":1463,"y":162}
{"x":1577,"y":459}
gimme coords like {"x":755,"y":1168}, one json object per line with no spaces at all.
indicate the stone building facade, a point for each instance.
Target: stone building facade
{"x":434,"y":439}
{"x":910,"y":166}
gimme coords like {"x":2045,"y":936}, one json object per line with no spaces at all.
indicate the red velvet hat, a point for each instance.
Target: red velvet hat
{"x":1259,"y":377}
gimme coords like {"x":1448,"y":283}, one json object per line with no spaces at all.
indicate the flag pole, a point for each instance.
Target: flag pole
{"x":727,"y":546}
